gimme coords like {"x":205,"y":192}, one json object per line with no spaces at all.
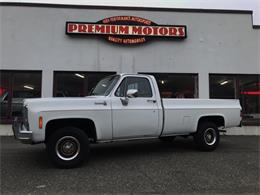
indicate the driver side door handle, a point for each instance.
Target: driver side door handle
{"x":101,"y":103}
{"x":153,"y":101}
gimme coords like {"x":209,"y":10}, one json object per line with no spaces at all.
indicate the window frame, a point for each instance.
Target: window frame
{"x":133,"y":76}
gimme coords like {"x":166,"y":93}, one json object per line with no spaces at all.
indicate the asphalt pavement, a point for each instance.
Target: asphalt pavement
{"x":138,"y":167}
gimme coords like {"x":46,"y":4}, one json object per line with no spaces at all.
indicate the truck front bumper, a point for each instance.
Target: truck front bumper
{"x":20,"y":131}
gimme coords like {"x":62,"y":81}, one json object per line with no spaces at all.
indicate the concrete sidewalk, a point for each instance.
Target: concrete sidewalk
{"x":6,"y":130}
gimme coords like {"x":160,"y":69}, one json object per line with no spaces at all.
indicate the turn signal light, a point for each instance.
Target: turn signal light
{"x":40,"y":122}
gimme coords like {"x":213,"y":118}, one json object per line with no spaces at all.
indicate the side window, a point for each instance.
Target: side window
{"x":142,"y":85}
{"x":120,"y":92}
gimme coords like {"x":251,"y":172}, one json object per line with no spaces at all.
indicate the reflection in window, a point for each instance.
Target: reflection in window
{"x":173,"y":85}
{"x":76,"y":84}
{"x":222,"y":87}
{"x":246,"y":88}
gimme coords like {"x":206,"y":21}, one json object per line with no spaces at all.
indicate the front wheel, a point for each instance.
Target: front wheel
{"x":68,"y":147}
{"x":207,"y":136}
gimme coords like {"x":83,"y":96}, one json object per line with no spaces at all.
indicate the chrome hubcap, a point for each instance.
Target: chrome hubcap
{"x":67,"y":148}
{"x":210,"y":136}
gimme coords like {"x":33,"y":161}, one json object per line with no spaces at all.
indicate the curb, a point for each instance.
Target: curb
{"x":245,"y":130}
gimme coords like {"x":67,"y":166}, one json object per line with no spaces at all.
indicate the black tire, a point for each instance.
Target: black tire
{"x":68,"y":147}
{"x":207,"y":136}
{"x":169,"y":139}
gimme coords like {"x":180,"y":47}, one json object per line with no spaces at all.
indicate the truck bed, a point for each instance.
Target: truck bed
{"x":182,"y":115}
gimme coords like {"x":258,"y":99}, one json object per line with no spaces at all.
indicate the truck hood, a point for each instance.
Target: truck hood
{"x":64,"y":103}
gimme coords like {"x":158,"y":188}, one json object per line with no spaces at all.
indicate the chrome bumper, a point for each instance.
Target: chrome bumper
{"x":20,"y":132}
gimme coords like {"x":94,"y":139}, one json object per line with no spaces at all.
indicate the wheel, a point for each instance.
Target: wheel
{"x":68,"y":147}
{"x":167,"y":139}
{"x":207,"y":136}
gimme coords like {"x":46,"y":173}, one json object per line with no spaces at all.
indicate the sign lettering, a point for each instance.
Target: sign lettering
{"x":127,"y":29}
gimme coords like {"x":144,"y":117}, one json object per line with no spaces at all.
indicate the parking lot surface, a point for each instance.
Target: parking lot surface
{"x":137,"y":167}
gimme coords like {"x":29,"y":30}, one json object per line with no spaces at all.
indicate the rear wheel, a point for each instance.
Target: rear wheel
{"x":68,"y":147}
{"x":207,"y":136}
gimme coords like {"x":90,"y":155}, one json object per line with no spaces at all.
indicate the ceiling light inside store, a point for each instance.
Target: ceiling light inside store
{"x":224,"y":82}
{"x":80,"y":75}
{"x":28,"y":87}
{"x":162,"y":81}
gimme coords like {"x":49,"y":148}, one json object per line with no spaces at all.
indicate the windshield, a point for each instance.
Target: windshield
{"x":104,"y":86}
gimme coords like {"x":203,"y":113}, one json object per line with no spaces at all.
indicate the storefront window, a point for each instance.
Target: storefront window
{"x":246,"y":88}
{"x":177,"y":85}
{"x":222,"y":87}
{"x":76,"y":84}
{"x":16,"y":86}
{"x":249,"y":95}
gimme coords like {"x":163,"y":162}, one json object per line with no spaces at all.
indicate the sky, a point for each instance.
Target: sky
{"x":252,"y":5}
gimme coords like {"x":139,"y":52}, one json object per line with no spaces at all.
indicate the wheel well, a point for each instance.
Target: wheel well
{"x":87,"y":125}
{"x":217,"y":120}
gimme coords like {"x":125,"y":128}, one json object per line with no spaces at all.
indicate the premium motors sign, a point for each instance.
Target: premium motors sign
{"x":127,"y":30}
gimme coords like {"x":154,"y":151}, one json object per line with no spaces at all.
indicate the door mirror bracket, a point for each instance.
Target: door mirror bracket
{"x":131,"y":93}
{"x":124,"y":101}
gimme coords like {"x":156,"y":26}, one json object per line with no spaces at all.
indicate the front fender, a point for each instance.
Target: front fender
{"x":101,"y":119}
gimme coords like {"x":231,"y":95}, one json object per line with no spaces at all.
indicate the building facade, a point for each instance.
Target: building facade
{"x":219,"y":56}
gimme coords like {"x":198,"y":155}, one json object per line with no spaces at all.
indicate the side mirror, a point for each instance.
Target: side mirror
{"x":132,"y":93}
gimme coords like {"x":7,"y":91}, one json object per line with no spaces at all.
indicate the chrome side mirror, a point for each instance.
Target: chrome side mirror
{"x":131,"y":93}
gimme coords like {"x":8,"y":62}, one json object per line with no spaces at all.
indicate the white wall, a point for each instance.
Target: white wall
{"x":33,"y":38}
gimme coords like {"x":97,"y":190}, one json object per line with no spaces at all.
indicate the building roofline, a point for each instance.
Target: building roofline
{"x":73,"y":6}
{"x":59,"y":5}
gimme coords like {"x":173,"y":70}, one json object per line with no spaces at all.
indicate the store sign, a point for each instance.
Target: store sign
{"x":128,"y":30}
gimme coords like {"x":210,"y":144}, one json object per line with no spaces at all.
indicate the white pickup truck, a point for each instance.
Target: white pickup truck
{"x":121,"y":107}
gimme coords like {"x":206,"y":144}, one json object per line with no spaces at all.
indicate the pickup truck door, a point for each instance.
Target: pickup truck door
{"x":138,"y":115}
